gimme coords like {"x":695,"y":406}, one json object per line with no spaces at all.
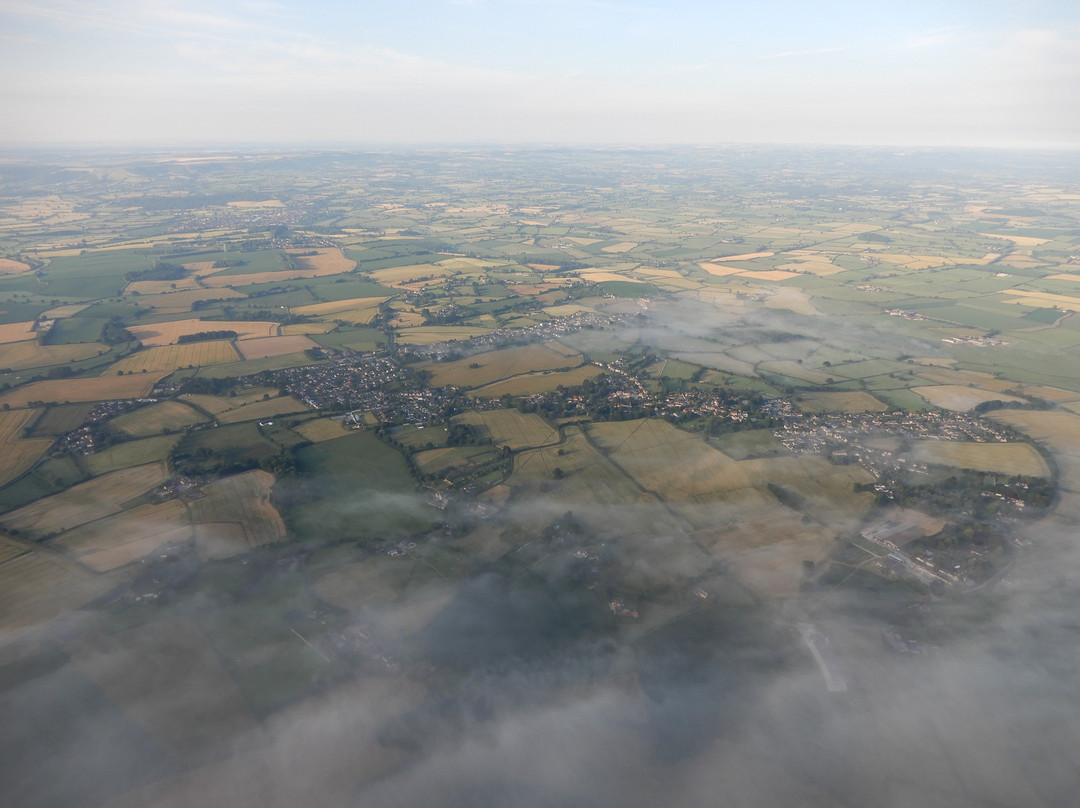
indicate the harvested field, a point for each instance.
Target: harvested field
{"x":511,"y":428}
{"x":58,"y":420}
{"x":720,"y":270}
{"x":326,"y":261}
{"x":529,"y":383}
{"x":622,"y":246}
{"x":1041,"y":299}
{"x":168,"y":333}
{"x":357,"y":310}
{"x":15,"y":332}
{"x":19,"y":455}
{"x":242,"y":500}
{"x":745,"y":256}
{"x":9,"y":266}
{"x":854,"y":401}
{"x":130,"y":453}
{"x":1007,"y":458}
{"x":219,"y":404}
{"x":495,"y":365}
{"x":156,"y":288}
{"x":31,"y":354}
{"x":426,"y":335}
{"x":567,"y":310}
{"x":768,"y":274}
{"x":958,"y":398}
{"x":98,"y":388}
{"x":37,"y":586}
{"x":320,"y":429}
{"x":69,"y":310}
{"x":1022,"y":241}
{"x":280,"y":405}
{"x":127,"y":536}
{"x":599,"y":276}
{"x":165,"y":416}
{"x":171,"y":357}
{"x":401,"y":276}
{"x":293,"y":329}
{"x":437,"y":461}
{"x":266,"y":203}
{"x":84,"y":503}
{"x":263,"y":347}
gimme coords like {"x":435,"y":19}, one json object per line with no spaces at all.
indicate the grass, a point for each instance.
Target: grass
{"x":485,"y":368}
{"x":353,"y":487}
{"x":128,"y":454}
{"x":165,"y":416}
{"x":529,"y":383}
{"x":508,"y":427}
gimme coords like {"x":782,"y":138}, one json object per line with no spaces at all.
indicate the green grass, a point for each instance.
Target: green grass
{"x":352,"y":487}
{"x":128,"y":454}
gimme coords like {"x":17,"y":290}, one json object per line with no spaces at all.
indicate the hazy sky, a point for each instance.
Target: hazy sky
{"x":937,"y":72}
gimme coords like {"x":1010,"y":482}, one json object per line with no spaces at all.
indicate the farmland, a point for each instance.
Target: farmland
{"x":171,"y":357}
{"x":90,"y":389}
{"x":165,"y":416}
{"x":1007,"y":458}
{"x":19,"y":454}
{"x":263,"y":347}
{"x":167,"y":333}
{"x":122,"y":538}
{"x":511,"y":428}
{"x":242,"y":502}
{"x":486,"y":368}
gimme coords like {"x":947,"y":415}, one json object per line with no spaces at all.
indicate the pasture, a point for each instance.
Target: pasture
{"x":319,"y":429}
{"x":164,"y":416}
{"x":848,"y":401}
{"x":58,"y":420}
{"x":356,"y":311}
{"x":1007,"y":458}
{"x":242,"y":500}
{"x":168,"y":358}
{"x":959,"y":398}
{"x":271,"y":408}
{"x":485,"y":368}
{"x":129,"y":453}
{"x":508,"y":427}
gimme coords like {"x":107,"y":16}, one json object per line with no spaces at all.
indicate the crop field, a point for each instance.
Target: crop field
{"x":9,"y":266}
{"x":355,"y":586}
{"x":529,"y":383}
{"x":182,"y":301}
{"x":19,"y":455}
{"x":398,"y":277}
{"x":16,"y":332}
{"x":121,"y":538}
{"x":37,"y":586}
{"x":1007,"y":458}
{"x":293,"y":329}
{"x":427,"y":334}
{"x":511,"y":428}
{"x":84,"y":503}
{"x":319,"y":429}
{"x":249,"y":367}
{"x":243,"y":500}
{"x":31,"y":354}
{"x":157,"y":288}
{"x":165,"y":416}
{"x":851,"y":401}
{"x":171,"y":357}
{"x":495,"y":365}
{"x":279,"y":405}
{"x":265,"y":347}
{"x":326,"y":261}
{"x":357,"y":310}
{"x":169,"y":332}
{"x":130,"y":453}
{"x":437,"y":461}
{"x":958,"y":398}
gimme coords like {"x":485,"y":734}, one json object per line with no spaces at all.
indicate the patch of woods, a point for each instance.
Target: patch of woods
{"x":161,"y":271}
{"x":205,"y":336}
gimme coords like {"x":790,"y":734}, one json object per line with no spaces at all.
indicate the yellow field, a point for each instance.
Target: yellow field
{"x":18,"y":455}
{"x":496,"y":365}
{"x":821,"y":268}
{"x":263,"y":347}
{"x":958,"y":398}
{"x":124,"y":537}
{"x":37,"y":586}
{"x":243,"y":501}
{"x":427,"y":334}
{"x":357,"y":310}
{"x":567,"y":309}
{"x":31,"y":354}
{"x":599,"y":276}
{"x":326,"y":261}
{"x":69,"y":310}
{"x":165,"y":416}
{"x":220,"y":404}
{"x":915,"y":261}
{"x":170,"y":357}
{"x":399,"y":276}
{"x":1043,"y":299}
{"x":15,"y":332}
{"x":168,"y":333}
{"x":9,"y":266}
{"x":321,"y":429}
{"x":511,"y":428}
{"x":529,"y":383}
{"x":1007,"y":458}
{"x":853,"y":401}
{"x":768,"y":274}
{"x":84,"y":503}
{"x":98,"y":388}
{"x":720,"y":270}
{"x":263,"y":409}
{"x":1022,"y":241}
{"x":266,"y":203}
{"x":161,"y":287}
{"x":293,"y":329}
{"x":622,"y":246}
{"x":745,"y":256}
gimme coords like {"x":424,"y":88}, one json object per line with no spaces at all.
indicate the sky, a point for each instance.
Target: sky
{"x":997,"y":73}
